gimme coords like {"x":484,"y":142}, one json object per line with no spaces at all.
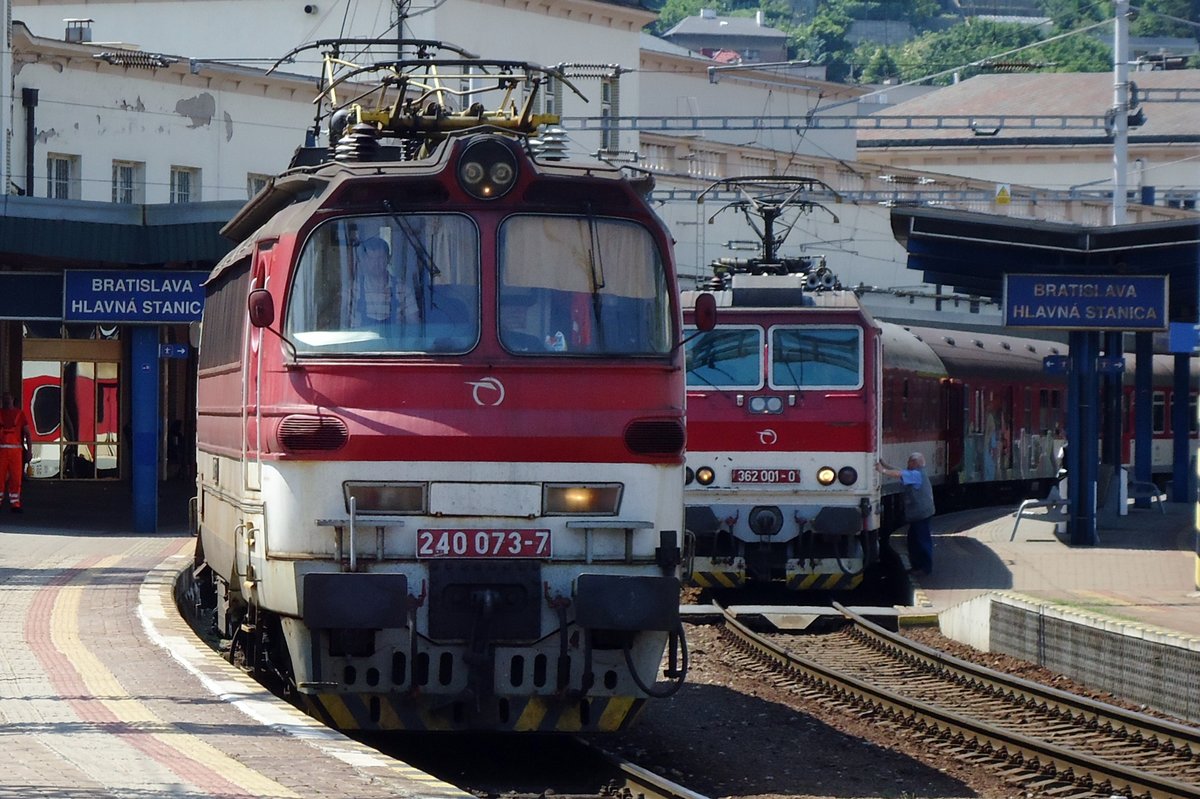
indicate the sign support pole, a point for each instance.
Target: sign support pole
{"x":144,"y":423}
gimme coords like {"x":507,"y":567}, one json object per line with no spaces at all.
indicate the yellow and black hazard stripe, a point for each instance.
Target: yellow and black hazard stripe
{"x":722,"y":579}
{"x":834,"y":581}
{"x":400,"y":711}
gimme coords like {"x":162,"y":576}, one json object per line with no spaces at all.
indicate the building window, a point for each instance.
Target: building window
{"x":185,"y":184}
{"x":128,"y":182}
{"x":658,"y":157}
{"x":62,"y":177}
{"x":757,"y":166}
{"x":610,"y":113}
{"x":256,"y":183}
{"x":549,"y":97}
{"x":704,"y":163}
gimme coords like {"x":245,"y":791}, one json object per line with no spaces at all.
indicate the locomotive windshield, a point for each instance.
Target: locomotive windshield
{"x":799,"y":357}
{"x":571,"y":285}
{"x":395,"y":283}
{"x":728,"y":357}
{"x":815,"y":357}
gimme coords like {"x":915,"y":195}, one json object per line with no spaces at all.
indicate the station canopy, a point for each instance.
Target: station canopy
{"x":971,"y":252}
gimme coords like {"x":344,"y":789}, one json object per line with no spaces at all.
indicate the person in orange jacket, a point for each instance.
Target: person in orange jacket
{"x":15,"y":443}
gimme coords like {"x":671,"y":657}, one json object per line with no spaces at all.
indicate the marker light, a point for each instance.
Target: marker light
{"x":600,"y":498}
{"x":689,"y":474}
{"x":705,"y":475}
{"x":487,"y":169}
{"x":372,"y":498}
{"x":826,"y":475}
{"x":847,"y":475}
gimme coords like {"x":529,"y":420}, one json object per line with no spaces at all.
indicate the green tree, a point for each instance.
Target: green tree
{"x":880,"y":67}
{"x":1071,"y":14}
{"x":824,"y":42}
{"x":961,"y":45}
{"x":1076,"y":54}
{"x":1161,"y":18}
{"x":672,"y":12}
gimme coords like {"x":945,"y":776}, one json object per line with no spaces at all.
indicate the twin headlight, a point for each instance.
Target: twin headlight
{"x":487,"y":169}
{"x":826,"y":476}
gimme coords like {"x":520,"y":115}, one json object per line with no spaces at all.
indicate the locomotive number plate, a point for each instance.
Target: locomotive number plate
{"x":765,"y":476}
{"x":483,"y":543}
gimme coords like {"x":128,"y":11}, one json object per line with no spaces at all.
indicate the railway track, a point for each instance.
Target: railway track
{"x":498,"y":764}
{"x":522,"y":767}
{"x":1048,"y":741}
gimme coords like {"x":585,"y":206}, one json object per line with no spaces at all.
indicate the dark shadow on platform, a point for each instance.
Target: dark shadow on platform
{"x":99,"y":507}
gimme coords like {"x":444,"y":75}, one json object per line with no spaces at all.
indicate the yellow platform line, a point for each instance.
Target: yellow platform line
{"x":103,"y":683}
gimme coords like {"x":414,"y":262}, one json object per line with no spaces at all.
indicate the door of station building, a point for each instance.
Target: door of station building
{"x":72,"y":395}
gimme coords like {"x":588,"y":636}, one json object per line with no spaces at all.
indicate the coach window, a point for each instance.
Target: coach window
{"x":1158,"y":412}
{"x":71,"y":391}
{"x":1192,"y":412}
{"x":394,"y":284}
{"x":727,"y":357}
{"x":581,"y":286}
{"x":816,"y":357}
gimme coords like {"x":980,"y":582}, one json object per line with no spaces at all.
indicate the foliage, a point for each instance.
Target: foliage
{"x":1154,"y":18}
{"x":945,"y":44}
{"x":880,"y":67}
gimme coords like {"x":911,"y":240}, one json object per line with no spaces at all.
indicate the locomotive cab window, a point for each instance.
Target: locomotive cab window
{"x":401,"y":283}
{"x":581,"y":285}
{"x":727,"y":357}
{"x":816,"y":357}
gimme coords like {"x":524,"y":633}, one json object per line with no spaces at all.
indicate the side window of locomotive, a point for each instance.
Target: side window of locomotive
{"x":727,"y":357}
{"x":224,"y":318}
{"x":396,"y":283}
{"x":816,"y":357}
{"x":581,"y":285}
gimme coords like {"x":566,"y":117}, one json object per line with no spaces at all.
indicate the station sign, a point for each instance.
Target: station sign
{"x":133,"y":297}
{"x":1056,"y":364}
{"x":1086,"y":302}
{"x":1183,"y":338}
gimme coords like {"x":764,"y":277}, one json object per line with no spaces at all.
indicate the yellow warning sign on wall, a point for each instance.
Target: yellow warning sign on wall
{"x":1003,"y":194}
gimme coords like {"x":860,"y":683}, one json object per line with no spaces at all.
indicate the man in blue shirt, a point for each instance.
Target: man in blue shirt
{"x":918,"y":510}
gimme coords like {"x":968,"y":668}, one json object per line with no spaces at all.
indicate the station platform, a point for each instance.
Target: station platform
{"x":104,"y":691}
{"x":1141,"y":571}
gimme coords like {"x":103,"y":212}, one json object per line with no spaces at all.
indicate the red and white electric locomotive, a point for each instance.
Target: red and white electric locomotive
{"x":798,"y":392}
{"x":440,"y":426}
{"x":783,"y":416}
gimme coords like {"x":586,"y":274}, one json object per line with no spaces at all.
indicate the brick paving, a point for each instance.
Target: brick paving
{"x":105,"y":692}
{"x":1143,"y":569}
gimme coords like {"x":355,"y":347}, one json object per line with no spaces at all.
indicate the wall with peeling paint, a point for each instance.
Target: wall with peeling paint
{"x":547,"y":32}
{"x":224,"y":124}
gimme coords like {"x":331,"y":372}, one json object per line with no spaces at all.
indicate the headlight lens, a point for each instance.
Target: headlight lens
{"x":567,"y":499}
{"x":705,"y":475}
{"x":487,"y":170}
{"x":382,"y":499}
{"x":826,"y":475}
{"x":766,"y":405}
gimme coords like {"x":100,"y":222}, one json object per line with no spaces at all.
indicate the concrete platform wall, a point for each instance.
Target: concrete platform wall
{"x":1153,"y":667}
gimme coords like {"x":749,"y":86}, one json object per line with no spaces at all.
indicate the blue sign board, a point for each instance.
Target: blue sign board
{"x":1086,"y":302}
{"x":133,"y":297}
{"x":173,"y":351}
{"x":1056,"y":364}
{"x":1183,"y":338}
